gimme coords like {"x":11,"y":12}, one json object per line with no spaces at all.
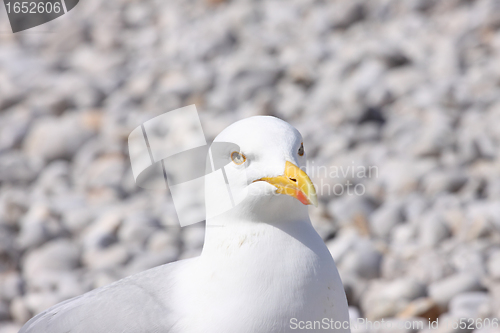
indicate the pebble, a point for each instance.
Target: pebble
{"x":57,"y":255}
{"x":38,"y":226}
{"x":385,"y":299}
{"x":10,"y":328}
{"x":430,"y":266}
{"x":109,"y":257}
{"x":385,"y":219}
{"x":342,"y":243}
{"x":16,"y":167}
{"x":363,"y":260}
{"x":53,"y":138}
{"x":494,"y":264}
{"x":422,"y":307}
{"x":4,"y":311}
{"x":19,"y":310}
{"x":471,"y":305}
{"x":432,"y":230}
{"x":11,"y":285}
{"x":14,"y":123}
{"x":346,"y":209}
{"x":444,"y":290}
{"x":136,"y":229}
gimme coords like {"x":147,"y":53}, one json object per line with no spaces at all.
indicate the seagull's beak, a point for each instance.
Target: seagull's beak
{"x":296,"y":183}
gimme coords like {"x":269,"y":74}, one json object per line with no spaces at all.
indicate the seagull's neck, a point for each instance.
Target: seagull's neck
{"x":225,"y":237}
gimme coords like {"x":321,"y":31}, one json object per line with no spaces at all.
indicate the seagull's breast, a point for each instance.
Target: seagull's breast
{"x":258,"y":280}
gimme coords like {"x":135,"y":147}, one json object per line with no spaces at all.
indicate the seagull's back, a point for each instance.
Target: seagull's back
{"x":138,"y":303}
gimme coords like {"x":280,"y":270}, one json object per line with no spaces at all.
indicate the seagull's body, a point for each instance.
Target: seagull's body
{"x":263,"y":267}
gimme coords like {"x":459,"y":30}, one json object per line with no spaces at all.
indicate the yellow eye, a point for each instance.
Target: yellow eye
{"x":238,"y":158}
{"x":301,"y":149}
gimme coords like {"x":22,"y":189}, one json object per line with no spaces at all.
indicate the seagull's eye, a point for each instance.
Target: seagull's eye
{"x":301,"y":150}
{"x":238,"y":158}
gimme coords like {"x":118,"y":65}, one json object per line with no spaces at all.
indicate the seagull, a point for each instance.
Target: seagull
{"x":263,"y":267}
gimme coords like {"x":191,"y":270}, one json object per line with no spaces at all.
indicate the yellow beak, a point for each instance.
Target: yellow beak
{"x":296,"y":183}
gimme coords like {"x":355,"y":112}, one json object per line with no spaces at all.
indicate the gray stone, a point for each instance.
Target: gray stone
{"x":385,"y":218}
{"x":55,"y":178}
{"x":444,"y":290}
{"x":347,"y":14}
{"x":78,"y":218}
{"x":101,"y":233}
{"x":402,"y":176}
{"x":430,"y":266}
{"x":346,"y":209}
{"x":435,"y":137}
{"x":16,"y":167}
{"x":137,"y":228}
{"x":432,"y":230}
{"x":19,"y":310}
{"x":10,"y":327}
{"x":57,"y":255}
{"x":394,"y":264}
{"x":13,"y":205}
{"x":136,"y":14}
{"x":8,"y":250}
{"x":422,"y":307}
{"x":164,"y":241}
{"x":494,"y":264}
{"x":342,"y":244}
{"x":354,"y":286}
{"x":471,"y":305}
{"x":4,"y":311}
{"x":362,"y":260}
{"x":11,"y":285}
{"x":415,"y":206}
{"x":105,"y":171}
{"x":387,"y":298}
{"x":14,"y":124}
{"x":404,"y":234}
{"x":113,"y":256}
{"x":470,"y":258}
{"x":53,"y":138}
{"x":368,"y":132}
{"x":444,"y":181}
{"x":38,"y":225}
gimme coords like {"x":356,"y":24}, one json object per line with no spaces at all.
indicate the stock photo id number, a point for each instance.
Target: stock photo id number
{"x":24,"y":15}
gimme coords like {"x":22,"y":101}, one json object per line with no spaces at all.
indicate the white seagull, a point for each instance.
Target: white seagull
{"x":263,"y":268}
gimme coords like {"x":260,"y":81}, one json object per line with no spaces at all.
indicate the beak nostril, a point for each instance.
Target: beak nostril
{"x":295,"y":183}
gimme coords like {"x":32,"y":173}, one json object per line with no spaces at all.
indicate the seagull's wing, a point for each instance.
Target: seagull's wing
{"x":138,"y":303}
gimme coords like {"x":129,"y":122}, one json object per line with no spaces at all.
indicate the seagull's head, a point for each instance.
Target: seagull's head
{"x":267,"y":163}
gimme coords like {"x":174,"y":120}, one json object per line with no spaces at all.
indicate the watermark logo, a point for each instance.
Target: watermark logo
{"x":24,"y":15}
{"x":339,"y":180}
{"x":392,"y":324}
{"x":170,"y":151}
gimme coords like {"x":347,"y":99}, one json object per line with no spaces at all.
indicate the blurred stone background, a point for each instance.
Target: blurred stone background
{"x":411,"y":87}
